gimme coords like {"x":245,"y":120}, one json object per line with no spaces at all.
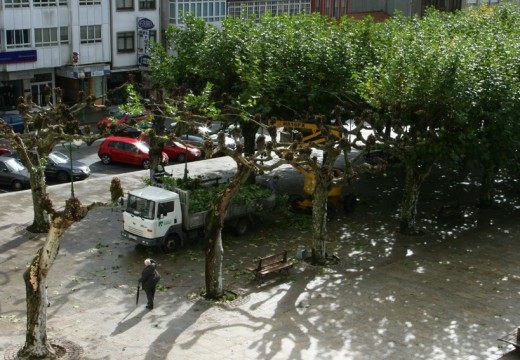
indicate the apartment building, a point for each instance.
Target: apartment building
{"x":52,"y":42}
{"x":88,"y":45}
{"x":135,"y":25}
{"x":93,"y":45}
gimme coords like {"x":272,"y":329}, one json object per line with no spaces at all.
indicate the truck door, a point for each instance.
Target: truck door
{"x":166,"y":216}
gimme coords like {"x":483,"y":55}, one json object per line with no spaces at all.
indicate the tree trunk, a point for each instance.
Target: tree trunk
{"x":487,"y":188}
{"x":35,"y":277}
{"x":40,"y":200}
{"x":319,"y":219}
{"x":413,"y":182}
{"x":214,"y":227}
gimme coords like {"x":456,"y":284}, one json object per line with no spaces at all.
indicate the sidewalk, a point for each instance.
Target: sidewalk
{"x":450,"y":301}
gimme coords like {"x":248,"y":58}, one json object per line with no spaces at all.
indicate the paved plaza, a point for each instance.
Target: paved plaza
{"x":447,"y":300}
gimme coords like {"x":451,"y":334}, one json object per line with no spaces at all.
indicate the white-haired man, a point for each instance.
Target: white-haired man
{"x":149,"y":279}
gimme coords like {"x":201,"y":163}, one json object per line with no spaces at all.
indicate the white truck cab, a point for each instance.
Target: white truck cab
{"x":151,"y":215}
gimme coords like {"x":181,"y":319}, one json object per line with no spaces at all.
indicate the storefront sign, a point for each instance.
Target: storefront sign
{"x":13,"y":57}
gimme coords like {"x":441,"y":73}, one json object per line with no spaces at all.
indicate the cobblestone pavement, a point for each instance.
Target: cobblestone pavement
{"x":438,"y":296}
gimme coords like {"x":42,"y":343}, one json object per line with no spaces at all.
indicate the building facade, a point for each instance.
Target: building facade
{"x":93,"y":45}
{"x":135,"y":25}
{"x":55,"y":43}
{"x":77,"y":45}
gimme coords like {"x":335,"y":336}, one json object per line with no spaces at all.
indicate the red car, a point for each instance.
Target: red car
{"x":179,"y":152}
{"x":126,"y":150}
{"x":8,"y":152}
{"x":121,"y":117}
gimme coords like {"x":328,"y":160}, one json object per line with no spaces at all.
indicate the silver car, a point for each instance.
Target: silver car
{"x":13,"y":174}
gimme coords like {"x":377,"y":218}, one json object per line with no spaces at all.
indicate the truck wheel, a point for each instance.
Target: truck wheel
{"x":349,"y":203}
{"x":170,"y":243}
{"x":242,"y":226}
{"x":294,"y":201}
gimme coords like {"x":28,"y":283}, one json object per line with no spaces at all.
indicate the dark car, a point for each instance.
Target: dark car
{"x":126,"y":150}
{"x":129,"y":132}
{"x":15,"y":120}
{"x":58,"y":167}
{"x":13,"y":174}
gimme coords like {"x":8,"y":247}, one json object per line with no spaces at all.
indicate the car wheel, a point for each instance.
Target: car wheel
{"x":106,"y":159}
{"x":146,"y":164}
{"x":181,"y":158}
{"x":242,"y":226}
{"x":17,"y":185}
{"x":170,"y":243}
{"x":62,"y":177}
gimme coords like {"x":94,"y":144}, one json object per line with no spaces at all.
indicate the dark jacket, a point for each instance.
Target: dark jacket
{"x":150,"y":276}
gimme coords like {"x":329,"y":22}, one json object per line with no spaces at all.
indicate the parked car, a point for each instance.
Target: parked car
{"x":122,"y":117}
{"x":9,"y":152}
{"x":127,"y":150}
{"x":13,"y":174}
{"x":130,"y":132}
{"x":15,"y":120}
{"x":180,"y":152}
{"x":58,"y":167}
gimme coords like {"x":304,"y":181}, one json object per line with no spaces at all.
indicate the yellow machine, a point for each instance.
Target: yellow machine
{"x":312,"y":133}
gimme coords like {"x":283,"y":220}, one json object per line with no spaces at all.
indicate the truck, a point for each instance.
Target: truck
{"x":159,"y":217}
{"x":312,"y":134}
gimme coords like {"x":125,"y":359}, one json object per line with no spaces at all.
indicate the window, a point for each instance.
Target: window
{"x":64,"y":35}
{"x":63,"y":2}
{"x":90,"y":2}
{"x":90,"y":34}
{"x":45,"y":37}
{"x":125,"y":4}
{"x":165,"y":208}
{"x":125,"y":42}
{"x":146,"y":4}
{"x":16,"y":3}
{"x":17,"y":39}
{"x":41,"y":3}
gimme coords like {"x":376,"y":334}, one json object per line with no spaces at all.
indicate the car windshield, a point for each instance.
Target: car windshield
{"x":58,"y":157}
{"x":140,"y":207}
{"x":142,"y":146}
{"x":14,"y":165}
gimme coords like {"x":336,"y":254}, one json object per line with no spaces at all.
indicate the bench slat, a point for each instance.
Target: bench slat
{"x":278,"y":267}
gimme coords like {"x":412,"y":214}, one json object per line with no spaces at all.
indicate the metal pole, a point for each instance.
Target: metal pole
{"x":71,"y":170}
{"x":83,"y":110}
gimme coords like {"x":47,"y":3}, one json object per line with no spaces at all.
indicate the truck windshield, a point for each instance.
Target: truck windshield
{"x":140,"y":207}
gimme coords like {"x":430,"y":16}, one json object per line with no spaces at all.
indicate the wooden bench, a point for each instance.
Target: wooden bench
{"x":271,"y":263}
{"x":450,"y":210}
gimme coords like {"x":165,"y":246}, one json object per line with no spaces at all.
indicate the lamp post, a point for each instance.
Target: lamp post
{"x":69,"y":147}
{"x":81,"y":77}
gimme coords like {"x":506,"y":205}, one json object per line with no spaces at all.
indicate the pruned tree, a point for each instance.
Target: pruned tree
{"x":46,"y":127}
{"x":37,"y":344}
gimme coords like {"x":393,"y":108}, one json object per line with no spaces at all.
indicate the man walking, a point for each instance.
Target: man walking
{"x":149,"y":279}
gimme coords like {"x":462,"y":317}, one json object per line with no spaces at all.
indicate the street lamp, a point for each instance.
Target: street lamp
{"x":69,"y":147}
{"x":81,"y":77}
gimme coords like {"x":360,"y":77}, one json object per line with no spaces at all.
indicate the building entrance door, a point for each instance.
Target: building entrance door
{"x":38,"y":93}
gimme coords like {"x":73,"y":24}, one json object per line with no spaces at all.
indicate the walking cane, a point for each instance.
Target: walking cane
{"x":137,"y":297}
